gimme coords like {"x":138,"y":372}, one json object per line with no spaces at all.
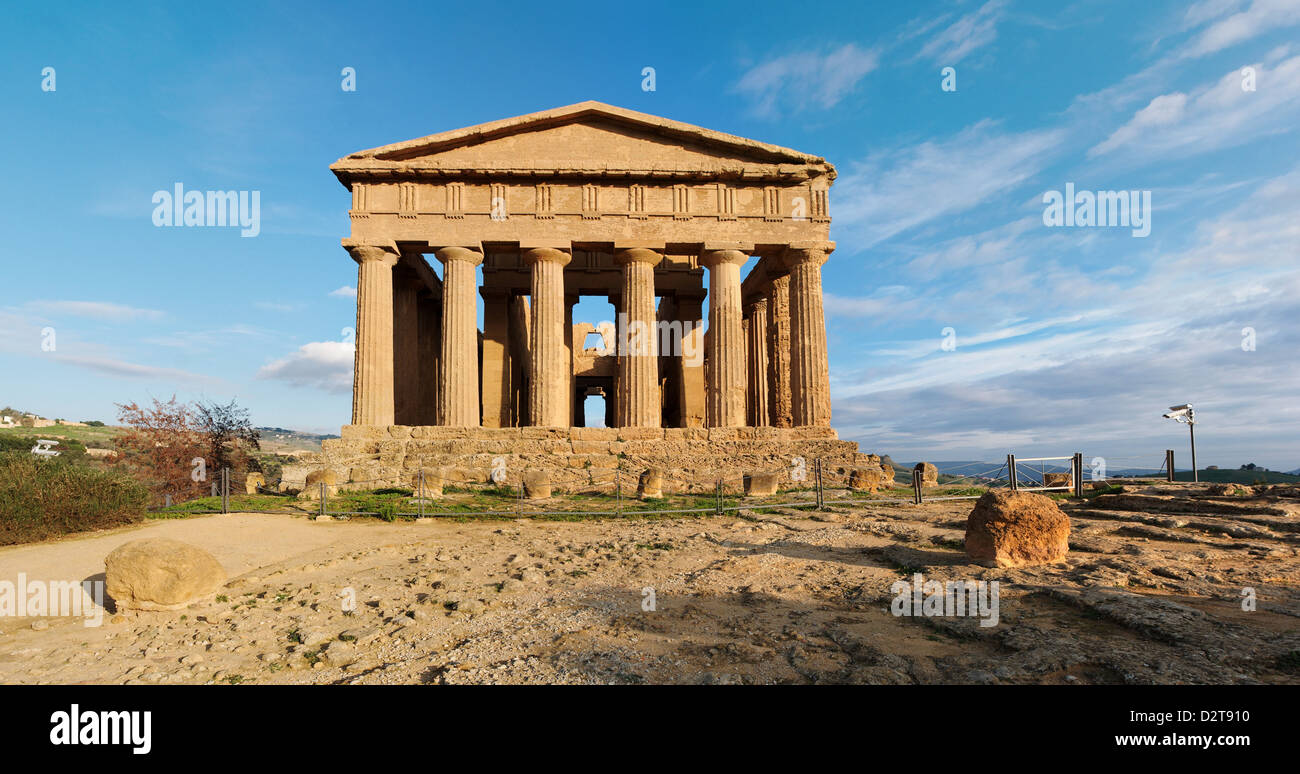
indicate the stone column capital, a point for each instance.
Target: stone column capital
{"x":365,"y":253}
{"x":560,"y":255}
{"x":712,"y":258}
{"x":757,"y":304}
{"x":638,"y":255}
{"x":807,"y":252}
{"x":471,"y":255}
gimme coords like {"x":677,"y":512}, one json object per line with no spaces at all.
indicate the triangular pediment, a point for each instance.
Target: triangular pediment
{"x":589,"y":137}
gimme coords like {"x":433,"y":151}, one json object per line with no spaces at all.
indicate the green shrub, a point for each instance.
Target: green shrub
{"x":68,"y":449}
{"x":44,"y":498}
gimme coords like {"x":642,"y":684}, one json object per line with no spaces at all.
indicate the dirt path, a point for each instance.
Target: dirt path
{"x":240,"y":541}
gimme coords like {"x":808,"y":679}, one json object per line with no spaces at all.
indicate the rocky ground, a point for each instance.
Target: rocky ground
{"x":1152,"y":592}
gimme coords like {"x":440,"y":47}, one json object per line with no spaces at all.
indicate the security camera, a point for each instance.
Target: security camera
{"x":1182,"y":407}
{"x":1175,"y":414}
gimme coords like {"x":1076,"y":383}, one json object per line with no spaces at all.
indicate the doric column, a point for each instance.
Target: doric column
{"x":725,"y":377}
{"x":759,"y":413}
{"x":809,"y":370}
{"x":459,"y":389}
{"x":638,"y":351}
{"x":778,"y":351}
{"x":372,"y":371}
{"x":549,"y":400}
{"x":495,"y":378}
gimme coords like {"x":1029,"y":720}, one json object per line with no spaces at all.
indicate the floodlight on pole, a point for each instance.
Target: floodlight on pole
{"x":1183,"y":413}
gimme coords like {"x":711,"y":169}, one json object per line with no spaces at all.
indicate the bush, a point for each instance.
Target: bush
{"x":44,"y":498}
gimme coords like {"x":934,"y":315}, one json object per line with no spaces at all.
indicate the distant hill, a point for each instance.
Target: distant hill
{"x":280,"y":440}
{"x":1030,"y":471}
{"x":1240,"y":476}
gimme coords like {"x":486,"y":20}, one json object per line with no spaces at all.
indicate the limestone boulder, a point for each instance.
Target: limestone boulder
{"x":1015,"y":529}
{"x":537,"y":485}
{"x":434,"y":479}
{"x":929,"y":473}
{"x":651,"y":483}
{"x":312,"y":488}
{"x":870,"y":479}
{"x":761,"y":484}
{"x":1056,"y":479}
{"x":252,"y":482}
{"x":161,"y":574}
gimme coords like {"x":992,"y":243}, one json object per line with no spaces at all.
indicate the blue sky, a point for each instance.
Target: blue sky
{"x":1066,"y":339}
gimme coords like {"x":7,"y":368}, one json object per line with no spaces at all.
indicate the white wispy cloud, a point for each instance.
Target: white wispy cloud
{"x":1215,"y":116}
{"x":324,"y":365}
{"x":123,"y":368}
{"x":1237,"y":26}
{"x":974,"y":30}
{"x":897,"y":189}
{"x":100,"y":310}
{"x":347,"y":291}
{"x":809,"y":78}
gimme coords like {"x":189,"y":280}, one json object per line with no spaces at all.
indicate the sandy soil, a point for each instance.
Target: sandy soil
{"x":1151,"y":593}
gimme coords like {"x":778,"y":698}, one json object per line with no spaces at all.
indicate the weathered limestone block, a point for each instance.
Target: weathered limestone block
{"x":1015,"y":529}
{"x":160,"y":574}
{"x":1056,"y":479}
{"x":434,"y":479}
{"x":651,"y":483}
{"x":311,"y":489}
{"x":537,"y":485}
{"x":252,"y":481}
{"x":762,"y":484}
{"x":870,"y":479}
{"x":929,"y":473}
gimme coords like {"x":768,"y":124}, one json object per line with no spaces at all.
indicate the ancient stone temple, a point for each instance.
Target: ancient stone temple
{"x":587,"y":200}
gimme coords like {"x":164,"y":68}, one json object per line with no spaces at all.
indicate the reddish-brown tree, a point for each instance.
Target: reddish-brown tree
{"x":161,"y":444}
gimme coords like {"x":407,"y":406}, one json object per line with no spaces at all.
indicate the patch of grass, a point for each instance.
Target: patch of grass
{"x":44,"y":498}
{"x":655,"y":546}
{"x":234,"y":679}
{"x":1288,"y":662}
{"x":1112,"y":489}
{"x":204,"y":505}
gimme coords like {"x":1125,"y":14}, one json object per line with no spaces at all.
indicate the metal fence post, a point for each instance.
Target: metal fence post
{"x":419,"y":496}
{"x":717,"y":496}
{"x":1011,"y":472}
{"x":917,"y":477}
{"x":1169,"y":464}
{"x":821,"y":497}
{"x":323,"y":495}
{"x":225,"y":490}
{"x":1077,"y":482}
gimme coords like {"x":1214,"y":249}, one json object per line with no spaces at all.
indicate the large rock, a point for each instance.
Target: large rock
{"x":434,"y":480}
{"x":537,"y":485}
{"x":252,"y":483}
{"x":651,"y":483}
{"x":929,"y":473}
{"x":870,"y":479}
{"x":1057,"y":479}
{"x":1014,"y":529}
{"x":761,"y":484}
{"x":160,"y":574}
{"x":311,"y":489}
